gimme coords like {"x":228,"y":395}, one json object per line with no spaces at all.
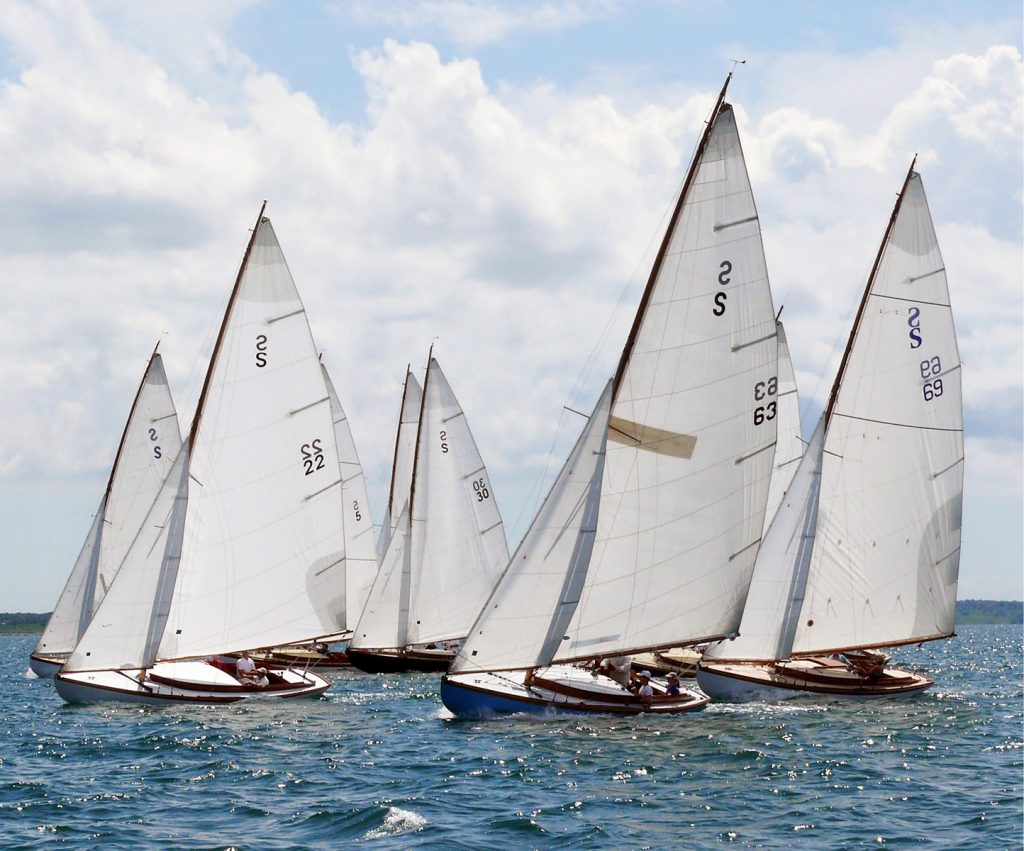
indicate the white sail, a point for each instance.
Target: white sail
{"x":886,"y":560}
{"x":360,"y":554}
{"x":523,"y":621}
{"x":688,"y":452}
{"x":780,"y":572}
{"x":243,"y":544}
{"x":405,"y":449}
{"x":149,"y":443}
{"x":789,"y":445}
{"x":458,"y":538}
{"x":454,"y":548}
{"x":381,"y":623}
{"x":692,"y":430}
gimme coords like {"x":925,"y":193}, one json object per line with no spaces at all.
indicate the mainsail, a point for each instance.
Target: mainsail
{"x":149,"y":443}
{"x":243,"y":542}
{"x":887,"y":554}
{"x":688,"y":448}
{"x":449,"y":544}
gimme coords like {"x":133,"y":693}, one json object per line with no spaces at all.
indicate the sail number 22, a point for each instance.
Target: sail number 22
{"x":312,"y":456}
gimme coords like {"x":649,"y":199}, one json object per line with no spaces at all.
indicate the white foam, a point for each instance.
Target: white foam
{"x":397,"y":822}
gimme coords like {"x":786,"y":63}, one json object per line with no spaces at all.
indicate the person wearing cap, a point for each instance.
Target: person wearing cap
{"x":673,"y":683}
{"x":644,"y":684}
{"x":261,"y":681}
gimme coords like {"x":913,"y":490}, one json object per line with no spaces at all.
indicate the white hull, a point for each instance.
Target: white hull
{"x":751,"y":681}
{"x":170,"y":683}
{"x":46,"y":666}
{"x":557,"y":689}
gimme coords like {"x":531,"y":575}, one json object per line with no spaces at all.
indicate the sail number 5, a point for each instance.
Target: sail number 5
{"x":312,"y":456}
{"x":721,"y":297}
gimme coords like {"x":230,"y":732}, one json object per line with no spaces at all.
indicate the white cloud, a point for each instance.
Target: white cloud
{"x":505,"y":220}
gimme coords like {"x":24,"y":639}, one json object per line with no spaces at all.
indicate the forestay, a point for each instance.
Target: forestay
{"x":885,"y":565}
{"x":149,"y":443}
{"x":360,"y":555}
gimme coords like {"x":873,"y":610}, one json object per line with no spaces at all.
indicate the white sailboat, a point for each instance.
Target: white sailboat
{"x":149,"y":443}
{"x":648,"y":535}
{"x":242,"y":545}
{"x":864,"y":552}
{"x":447,"y":548}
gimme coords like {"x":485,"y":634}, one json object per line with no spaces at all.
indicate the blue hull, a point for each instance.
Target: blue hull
{"x":473,"y":703}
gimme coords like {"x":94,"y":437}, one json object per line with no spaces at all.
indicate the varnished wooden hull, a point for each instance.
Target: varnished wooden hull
{"x":400,"y":661}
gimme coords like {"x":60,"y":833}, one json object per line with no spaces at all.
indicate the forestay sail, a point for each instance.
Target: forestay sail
{"x":886,"y":561}
{"x":789,"y":445}
{"x":243,"y":542}
{"x":360,"y":555}
{"x":149,"y":443}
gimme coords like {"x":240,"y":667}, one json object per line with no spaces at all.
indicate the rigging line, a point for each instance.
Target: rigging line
{"x":911,"y":300}
{"x":898,"y":425}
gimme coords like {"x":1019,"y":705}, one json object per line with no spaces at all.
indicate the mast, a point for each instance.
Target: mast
{"x":405,"y":591}
{"x":194,"y":431}
{"x":663,"y":249}
{"x":864,"y":299}
{"x":398,"y":436}
{"x":131,"y":413}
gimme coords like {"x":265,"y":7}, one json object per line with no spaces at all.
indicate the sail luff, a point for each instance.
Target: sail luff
{"x":663,"y":248}
{"x":223,"y":326}
{"x":864,"y":298}
{"x":398,"y":437}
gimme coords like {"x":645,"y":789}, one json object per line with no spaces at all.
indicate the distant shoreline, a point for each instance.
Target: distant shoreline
{"x":967,"y":612}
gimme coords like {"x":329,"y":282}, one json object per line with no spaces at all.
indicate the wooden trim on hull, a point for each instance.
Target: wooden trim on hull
{"x":397,"y":662}
{"x":46,"y":666}
{"x":771,"y":677}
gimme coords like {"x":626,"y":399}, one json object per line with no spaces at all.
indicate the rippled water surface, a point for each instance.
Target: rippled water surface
{"x":378,"y":762}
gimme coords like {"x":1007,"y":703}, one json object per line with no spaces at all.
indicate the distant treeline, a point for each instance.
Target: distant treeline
{"x":967,"y":612}
{"x":989,"y":611}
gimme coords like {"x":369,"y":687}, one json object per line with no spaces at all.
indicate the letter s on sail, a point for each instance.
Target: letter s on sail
{"x":914,"y":321}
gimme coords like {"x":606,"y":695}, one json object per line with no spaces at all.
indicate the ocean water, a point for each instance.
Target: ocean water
{"x":379,"y":763}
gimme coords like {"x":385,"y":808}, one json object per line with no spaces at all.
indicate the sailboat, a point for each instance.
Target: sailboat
{"x":149,"y":443}
{"x":447,"y":549}
{"x":864,"y":551}
{"x":648,"y":535}
{"x":242,"y":545}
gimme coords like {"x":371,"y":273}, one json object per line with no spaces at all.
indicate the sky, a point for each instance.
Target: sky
{"x":493,"y":178}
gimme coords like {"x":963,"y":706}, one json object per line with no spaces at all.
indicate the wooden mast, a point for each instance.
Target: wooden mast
{"x":220,"y":334}
{"x":864,"y":298}
{"x":659,"y":259}
{"x":398,"y":435}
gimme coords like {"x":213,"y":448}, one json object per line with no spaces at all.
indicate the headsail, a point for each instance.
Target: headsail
{"x":149,"y":443}
{"x":401,"y":470}
{"x":789,"y":446}
{"x":887,"y":554}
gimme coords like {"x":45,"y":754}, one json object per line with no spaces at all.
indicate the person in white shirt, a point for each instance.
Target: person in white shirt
{"x":245,"y":669}
{"x":645,"y":689}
